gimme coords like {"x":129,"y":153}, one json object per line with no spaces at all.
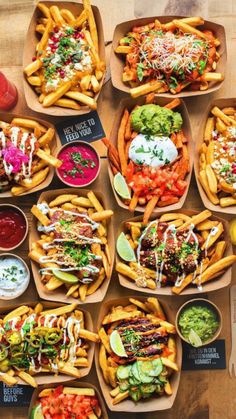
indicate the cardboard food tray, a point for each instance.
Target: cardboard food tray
{"x":117,"y":61}
{"x":77,"y":384}
{"x":221,"y":103}
{"x":51,"y":378}
{"x":213,"y":285}
{"x":130,"y":104}
{"x":32,"y":38}
{"x":59,"y":294}
{"x":154,"y":403}
{"x":54,"y":146}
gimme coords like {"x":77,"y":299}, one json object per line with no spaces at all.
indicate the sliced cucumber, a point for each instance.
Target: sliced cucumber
{"x":124,"y":385}
{"x":122,"y":372}
{"x":147,"y":388}
{"x":135,"y":372}
{"x":143,"y":371}
{"x":135,"y":395}
{"x":133,"y":381}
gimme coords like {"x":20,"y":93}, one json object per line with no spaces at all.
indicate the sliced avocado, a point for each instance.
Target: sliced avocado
{"x":65,"y":277}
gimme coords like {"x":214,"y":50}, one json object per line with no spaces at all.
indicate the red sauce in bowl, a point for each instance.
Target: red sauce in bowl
{"x":13,"y":227}
{"x":80,"y":164}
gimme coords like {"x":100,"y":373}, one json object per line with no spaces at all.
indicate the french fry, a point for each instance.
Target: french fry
{"x":47,"y":137}
{"x":92,"y":23}
{"x":120,"y":397}
{"x":27,"y":378}
{"x":20,"y":311}
{"x":53,"y":161}
{"x":61,"y":310}
{"x":103,"y":363}
{"x":8,"y":379}
{"x":216,"y":267}
{"x":113,"y":317}
{"x":43,"y":219}
{"x":145,"y":88}
{"x":62,"y":199}
{"x":168,"y":363}
{"x":28,"y":123}
{"x":211,"y":178}
{"x":67,"y":103}
{"x":32,"y":67}
{"x":102,"y":215}
{"x":36,"y":179}
{"x":44,"y":10}
{"x":149,"y":208}
{"x":83,"y":391}
{"x":203,"y":179}
{"x":196,"y":219}
{"x":104,"y":339}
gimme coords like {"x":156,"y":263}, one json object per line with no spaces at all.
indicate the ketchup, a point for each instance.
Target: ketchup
{"x":12,"y":227}
{"x":8,"y":93}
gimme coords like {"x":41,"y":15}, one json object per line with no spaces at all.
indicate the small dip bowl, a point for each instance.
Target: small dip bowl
{"x":80,"y":164}
{"x":13,"y":227}
{"x":200,"y":302}
{"x":12,"y":286}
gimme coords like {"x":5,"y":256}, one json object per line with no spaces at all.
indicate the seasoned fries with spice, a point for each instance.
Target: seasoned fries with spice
{"x":217,"y":165}
{"x":169,"y":57}
{"x":150,"y":161}
{"x":36,"y":341}
{"x":66,"y":70}
{"x":24,"y":157}
{"x":72,"y":251}
{"x":141,"y":356}
{"x":174,"y":250}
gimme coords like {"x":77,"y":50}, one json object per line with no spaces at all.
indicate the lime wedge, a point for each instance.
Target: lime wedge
{"x":121,"y":186}
{"x":116,"y":344}
{"x":124,"y":249}
{"x":37,"y":413}
{"x":65,"y":277}
{"x":194,"y":339}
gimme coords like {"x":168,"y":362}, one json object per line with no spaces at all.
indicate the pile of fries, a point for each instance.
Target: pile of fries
{"x":176,"y":248}
{"x":217,"y":163}
{"x":119,"y":162}
{"x":169,"y":57}
{"x":66,"y":70}
{"x":35,"y":340}
{"x":125,"y":317}
{"x":25,"y":154}
{"x":74,"y":241}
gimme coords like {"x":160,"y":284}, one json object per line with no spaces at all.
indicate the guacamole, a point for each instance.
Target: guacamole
{"x":199,"y":318}
{"x":153,"y":120}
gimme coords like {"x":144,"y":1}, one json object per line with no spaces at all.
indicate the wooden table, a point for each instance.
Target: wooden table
{"x":203,"y":394}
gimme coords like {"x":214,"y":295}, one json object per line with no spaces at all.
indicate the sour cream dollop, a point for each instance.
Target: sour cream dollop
{"x":152,"y":151}
{"x":14,"y":277}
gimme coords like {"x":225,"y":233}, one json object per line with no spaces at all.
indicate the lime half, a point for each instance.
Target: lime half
{"x":124,"y":249}
{"x":194,"y":339}
{"x":65,"y":277}
{"x":116,"y":344}
{"x":121,"y":186}
{"x":37,"y":413}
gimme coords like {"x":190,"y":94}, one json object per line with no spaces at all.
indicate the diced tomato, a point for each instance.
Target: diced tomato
{"x":67,"y":406}
{"x":147,"y":181}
